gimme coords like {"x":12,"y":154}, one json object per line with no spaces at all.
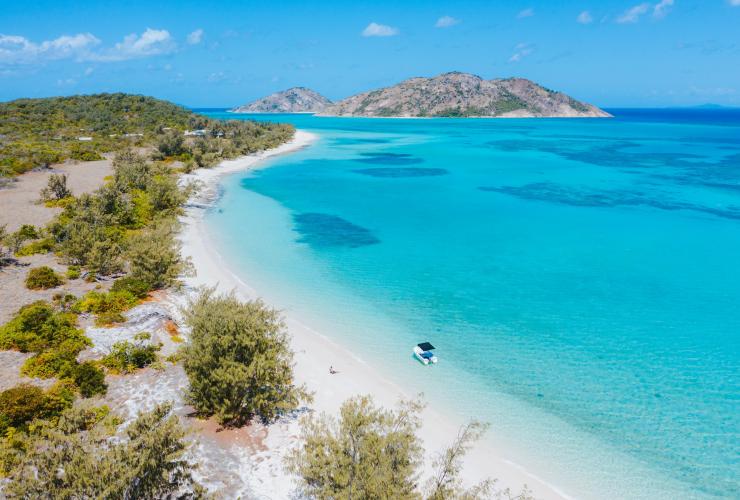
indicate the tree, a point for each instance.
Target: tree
{"x":171,"y":143}
{"x":239,"y":361}
{"x":154,"y":257}
{"x":131,"y":171}
{"x":76,"y":458}
{"x":446,"y":483}
{"x":369,"y":452}
{"x":56,"y":188}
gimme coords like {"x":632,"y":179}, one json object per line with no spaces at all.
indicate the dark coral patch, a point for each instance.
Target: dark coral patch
{"x":389,"y":158}
{"x":564,"y":195}
{"x":324,"y":230}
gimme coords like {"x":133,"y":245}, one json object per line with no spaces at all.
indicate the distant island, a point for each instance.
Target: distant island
{"x":293,"y":100}
{"x":464,"y":95}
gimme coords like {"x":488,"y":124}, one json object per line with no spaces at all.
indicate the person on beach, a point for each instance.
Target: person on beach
{"x":332,"y":371}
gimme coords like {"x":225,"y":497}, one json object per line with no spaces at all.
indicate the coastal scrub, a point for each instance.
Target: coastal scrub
{"x":239,"y":361}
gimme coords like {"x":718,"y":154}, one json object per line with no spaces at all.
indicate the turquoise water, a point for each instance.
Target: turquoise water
{"x":580,"y":278}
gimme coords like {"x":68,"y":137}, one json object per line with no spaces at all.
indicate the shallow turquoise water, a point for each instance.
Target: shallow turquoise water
{"x":580,"y":279}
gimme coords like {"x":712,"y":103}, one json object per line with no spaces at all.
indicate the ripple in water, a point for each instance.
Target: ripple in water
{"x":402,"y":172}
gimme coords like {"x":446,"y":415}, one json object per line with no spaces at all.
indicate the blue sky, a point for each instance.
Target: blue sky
{"x":199,"y":53}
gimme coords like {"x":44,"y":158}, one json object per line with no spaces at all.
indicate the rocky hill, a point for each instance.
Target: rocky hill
{"x":463,"y":95}
{"x":295,"y":100}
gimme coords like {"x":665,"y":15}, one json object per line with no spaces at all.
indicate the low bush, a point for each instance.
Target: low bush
{"x":23,"y":403}
{"x":36,"y":247}
{"x":109,"y":319}
{"x":136,"y":287}
{"x":106,"y":302}
{"x":89,"y":379}
{"x":42,"y":278}
{"x":63,"y":301}
{"x":56,"y":188}
{"x":127,"y":357}
{"x":59,"y":361}
{"x":73,"y":272}
{"x":38,"y":326}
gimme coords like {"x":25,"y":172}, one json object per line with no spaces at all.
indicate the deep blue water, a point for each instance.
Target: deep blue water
{"x":580,"y":278}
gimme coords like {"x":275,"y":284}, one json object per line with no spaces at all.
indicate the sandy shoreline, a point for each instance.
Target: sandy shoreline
{"x":315,"y":353}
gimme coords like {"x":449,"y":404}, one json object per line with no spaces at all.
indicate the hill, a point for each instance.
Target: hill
{"x":39,"y":132}
{"x":294,"y":100}
{"x":463,"y":95}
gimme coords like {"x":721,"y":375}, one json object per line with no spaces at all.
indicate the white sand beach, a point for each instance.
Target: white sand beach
{"x":314,"y":353}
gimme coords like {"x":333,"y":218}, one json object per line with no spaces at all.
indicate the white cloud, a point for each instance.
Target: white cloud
{"x":195,"y":37}
{"x":633,"y":15}
{"x":585,"y":17}
{"x":150,"y":43}
{"x":734,"y":3}
{"x":16,"y":49}
{"x":375,"y":29}
{"x":446,"y":22}
{"x":662,"y":8}
{"x":89,"y":71}
{"x":66,"y":82}
{"x":522,"y":50}
{"x":525,"y":13}
{"x":217,"y":77}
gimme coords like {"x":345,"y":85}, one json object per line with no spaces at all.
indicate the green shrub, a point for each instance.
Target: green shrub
{"x":75,"y":457}
{"x":28,"y":232}
{"x":41,"y":278}
{"x":37,"y":327}
{"x":106,"y":302}
{"x":89,"y":379}
{"x":136,"y":287}
{"x":109,"y":319}
{"x":73,"y":272}
{"x":56,"y":188}
{"x":154,"y":257}
{"x":127,"y":357}
{"x":371,"y":452}
{"x":59,"y":361}
{"x":239,"y":361}
{"x":24,"y":403}
{"x":63,"y":301}
{"x":36,"y":247}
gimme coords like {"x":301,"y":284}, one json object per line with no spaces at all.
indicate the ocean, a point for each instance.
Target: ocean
{"x":580,"y":279}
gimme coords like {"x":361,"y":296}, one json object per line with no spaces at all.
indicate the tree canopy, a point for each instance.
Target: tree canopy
{"x":239,"y":360}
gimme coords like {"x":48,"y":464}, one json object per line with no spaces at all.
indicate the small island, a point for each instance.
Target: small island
{"x":464,"y":95}
{"x":293,"y":100}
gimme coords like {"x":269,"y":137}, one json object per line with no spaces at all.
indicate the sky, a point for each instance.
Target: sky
{"x":612,"y":53}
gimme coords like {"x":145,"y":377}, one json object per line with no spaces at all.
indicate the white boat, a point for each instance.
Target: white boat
{"x":423,"y":352}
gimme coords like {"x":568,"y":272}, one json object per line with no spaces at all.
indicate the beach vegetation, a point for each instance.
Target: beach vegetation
{"x":14,"y":241}
{"x":76,"y":457}
{"x":56,"y":188}
{"x":372,"y":452}
{"x":37,"y":327}
{"x":239,"y":361}
{"x":89,"y":379}
{"x":42,"y":132}
{"x":24,"y":403}
{"x":42,"y":278}
{"x":73,"y":272}
{"x":127,"y":357}
{"x":136,"y":287}
{"x":154,"y":256}
{"x":41,"y":246}
{"x":368,"y":452}
{"x":51,"y":333}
